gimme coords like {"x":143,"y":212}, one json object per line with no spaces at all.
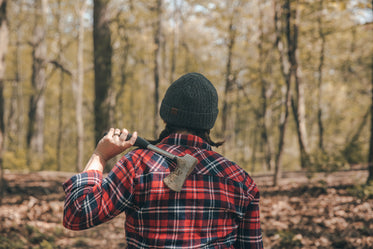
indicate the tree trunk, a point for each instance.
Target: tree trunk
{"x":298,"y":104}
{"x":15,"y":119}
{"x":60,"y":122}
{"x":280,"y":31}
{"x":35,"y":135}
{"x":253,"y":149}
{"x":282,"y":128}
{"x":157,"y":62}
{"x":320,"y":78}
{"x":124,"y":55}
{"x":264,"y":115}
{"x":175,"y":40}
{"x":228,"y":81}
{"x":267,"y":148}
{"x":370,"y":157}
{"x":102,"y":66}
{"x":4,"y":39}
{"x":13,"y":122}
{"x":60,"y":93}
{"x":79,"y":90}
{"x":351,"y":140}
{"x":299,"y":109}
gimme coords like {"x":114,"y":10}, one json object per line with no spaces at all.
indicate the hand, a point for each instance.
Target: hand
{"x":114,"y":143}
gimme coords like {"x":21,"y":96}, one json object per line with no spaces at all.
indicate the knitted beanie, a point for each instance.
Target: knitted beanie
{"x":190,"y":102}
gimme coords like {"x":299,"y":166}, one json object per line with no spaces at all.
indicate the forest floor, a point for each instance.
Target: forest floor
{"x":326,"y":211}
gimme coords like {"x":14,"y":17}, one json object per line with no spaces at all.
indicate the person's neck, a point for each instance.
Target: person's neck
{"x":183,"y":132}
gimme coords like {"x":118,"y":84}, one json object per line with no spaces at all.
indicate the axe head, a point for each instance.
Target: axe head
{"x":184,"y":166}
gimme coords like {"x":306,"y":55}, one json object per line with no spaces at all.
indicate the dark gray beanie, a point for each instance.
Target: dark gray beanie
{"x":190,"y":102}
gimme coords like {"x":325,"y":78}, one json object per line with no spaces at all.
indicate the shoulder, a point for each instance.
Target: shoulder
{"x":213,"y":163}
{"x":142,"y":160}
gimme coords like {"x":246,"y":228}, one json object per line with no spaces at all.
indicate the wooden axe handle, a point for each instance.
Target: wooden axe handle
{"x":185,"y":165}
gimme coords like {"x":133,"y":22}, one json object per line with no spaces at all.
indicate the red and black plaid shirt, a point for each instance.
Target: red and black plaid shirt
{"x":218,"y":206}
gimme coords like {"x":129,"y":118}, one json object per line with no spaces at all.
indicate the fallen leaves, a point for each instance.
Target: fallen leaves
{"x":315,"y":215}
{"x":297,"y":214}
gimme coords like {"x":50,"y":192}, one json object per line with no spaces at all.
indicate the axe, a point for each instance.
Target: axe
{"x":184,"y":164}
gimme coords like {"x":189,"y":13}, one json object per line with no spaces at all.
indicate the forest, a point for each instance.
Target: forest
{"x":295,"y":85}
{"x":294,"y":77}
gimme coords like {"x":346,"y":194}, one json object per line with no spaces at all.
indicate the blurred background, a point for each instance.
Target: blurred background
{"x":295,"y":72}
{"x":294,"y":77}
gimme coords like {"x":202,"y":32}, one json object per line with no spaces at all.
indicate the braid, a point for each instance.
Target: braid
{"x":204,"y":134}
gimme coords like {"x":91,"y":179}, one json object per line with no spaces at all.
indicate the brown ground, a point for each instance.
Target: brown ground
{"x":325,"y":212}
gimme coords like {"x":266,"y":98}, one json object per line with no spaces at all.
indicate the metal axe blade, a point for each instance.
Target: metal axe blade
{"x":184,"y":164}
{"x":176,"y":179}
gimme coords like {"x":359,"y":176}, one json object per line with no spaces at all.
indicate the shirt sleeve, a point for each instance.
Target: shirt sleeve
{"x":91,"y":200}
{"x":249,"y":232}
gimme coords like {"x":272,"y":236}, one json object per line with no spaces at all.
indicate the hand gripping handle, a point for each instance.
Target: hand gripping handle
{"x":140,"y":142}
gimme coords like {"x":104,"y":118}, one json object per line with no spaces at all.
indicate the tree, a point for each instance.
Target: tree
{"x":175,"y":34}
{"x":35,"y":134}
{"x":15,"y":118}
{"x":234,"y":47}
{"x":230,"y":27}
{"x":298,"y":101}
{"x":4,"y":38}
{"x":103,"y":51}
{"x":121,"y":62}
{"x":370,"y":157}
{"x":60,"y":127}
{"x":229,"y":82}
{"x":266,"y":92}
{"x":282,"y":19}
{"x":320,"y":76}
{"x":78,"y":83}
{"x":157,"y":62}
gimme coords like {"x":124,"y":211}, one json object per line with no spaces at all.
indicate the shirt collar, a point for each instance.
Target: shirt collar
{"x":186,"y":140}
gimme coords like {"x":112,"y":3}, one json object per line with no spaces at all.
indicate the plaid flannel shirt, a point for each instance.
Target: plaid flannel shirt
{"x":218,"y":206}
